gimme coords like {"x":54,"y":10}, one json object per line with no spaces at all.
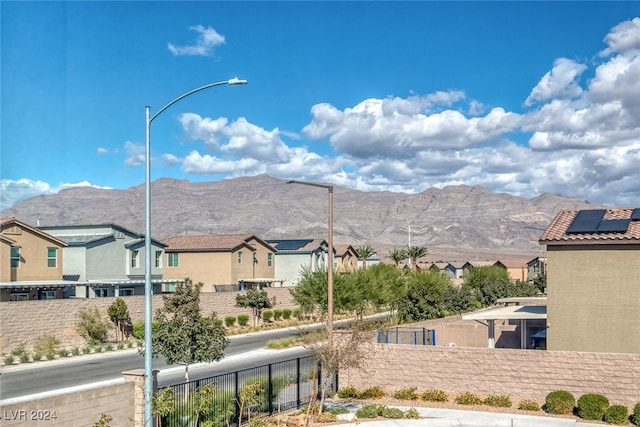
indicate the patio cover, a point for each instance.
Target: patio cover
{"x":512,"y":312}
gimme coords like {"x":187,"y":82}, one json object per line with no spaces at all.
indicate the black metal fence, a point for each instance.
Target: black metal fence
{"x":234,"y":398}
{"x":399,"y":335}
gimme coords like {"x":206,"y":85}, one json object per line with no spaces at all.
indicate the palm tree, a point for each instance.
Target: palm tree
{"x":415,"y":252}
{"x":364,"y":252}
{"x":398,"y":255}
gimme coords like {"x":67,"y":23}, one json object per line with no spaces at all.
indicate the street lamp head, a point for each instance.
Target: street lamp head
{"x":236,"y":81}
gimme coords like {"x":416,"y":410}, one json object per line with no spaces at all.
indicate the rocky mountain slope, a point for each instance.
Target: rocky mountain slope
{"x":459,"y":221}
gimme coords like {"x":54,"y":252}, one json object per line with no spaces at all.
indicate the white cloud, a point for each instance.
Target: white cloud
{"x":623,"y":37}
{"x":101,"y":151}
{"x":14,"y":191}
{"x":559,"y":82}
{"x":135,"y":154}
{"x":206,"y":42}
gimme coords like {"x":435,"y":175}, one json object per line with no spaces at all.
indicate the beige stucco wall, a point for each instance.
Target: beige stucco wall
{"x":33,"y":256}
{"x":58,"y":317}
{"x":5,"y":261}
{"x":522,"y":374}
{"x":593,"y":298}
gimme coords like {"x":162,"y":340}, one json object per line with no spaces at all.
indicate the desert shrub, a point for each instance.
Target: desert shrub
{"x":559,"y":402}
{"x":468,"y":398}
{"x":616,"y":414}
{"x":338,"y":411}
{"x":229,"y":321}
{"x":435,"y":396}
{"x":326,"y":417}
{"x":635,"y":418}
{"x":529,"y":405}
{"x":277,"y":314}
{"x":368,"y":411}
{"x":63,"y":352}
{"x":393,"y":413}
{"x":8,"y":360}
{"x":267,"y":315}
{"x":46,"y":344}
{"x":297,"y":313}
{"x":498,"y":401}
{"x":36,"y":356}
{"x":19,"y":351}
{"x":24,"y":358}
{"x":348,"y":393}
{"x":406,"y":394}
{"x":412,"y":413}
{"x":592,"y":406}
{"x":375,"y":392}
{"x":75,"y":351}
{"x":243,"y":319}
{"x":93,"y":326}
{"x":286,"y":313}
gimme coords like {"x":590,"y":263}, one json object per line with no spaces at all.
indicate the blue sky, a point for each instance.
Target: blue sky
{"x":519,"y":97}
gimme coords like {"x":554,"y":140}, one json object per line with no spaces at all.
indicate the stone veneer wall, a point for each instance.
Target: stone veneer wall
{"x":78,"y":409}
{"x":21,"y":322}
{"x":526,"y":374}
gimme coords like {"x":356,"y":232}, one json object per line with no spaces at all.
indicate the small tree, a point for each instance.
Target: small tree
{"x":119,"y":314}
{"x":183,"y":335}
{"x":364,"y":252}
{"x":257,"y":300}
{"x":415,"y":253}
{"x":93,"y":326}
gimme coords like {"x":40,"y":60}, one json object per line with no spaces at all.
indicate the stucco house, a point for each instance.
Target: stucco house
{"x":295,"y":255}
{"x":345,"y":258}
{"x":107,"y":260}
{"x":220,"y":259}
{"x":593,"y":280}
{"x":30,"y":262}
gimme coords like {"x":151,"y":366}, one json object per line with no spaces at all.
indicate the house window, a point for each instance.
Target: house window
{"x":47,"y":294}
{"x":101,"y":292}
{"x":15,"y":257}
{"x":52,"y":257}
{"x":158,"y":259}
{"x":134,"y":258}
{"x":125,"y":292}
{"x":240,"y":257}
{"x":269,"y":259}
{"x":173,"y":259}
{"x":19,"y":297}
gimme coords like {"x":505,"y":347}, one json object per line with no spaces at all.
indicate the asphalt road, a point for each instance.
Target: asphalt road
{"x":22,"y":380}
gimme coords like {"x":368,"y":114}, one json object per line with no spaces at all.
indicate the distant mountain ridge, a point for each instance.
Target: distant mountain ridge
{"x":456,"y":219}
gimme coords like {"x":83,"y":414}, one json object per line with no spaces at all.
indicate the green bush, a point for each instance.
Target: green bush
{"x":267,"y":315}
{"x":412,"y":413}
{"x":19,"y":351}
{"x":393,"y":413}
{"x":24,"y":358}
{"x":528,"y":405}
{"x":592,"y":406}
{"x":243,"y":319}
{"x":498,"y":401}
{"x":75,"y":351}
{"x":137,"y":329}
{"x":368,"y":411}
{"x":616,"y":414}
{"x":635,"y":418}
{"x":348,"y":393}
{"x":229,"y":321}
{"x":468,"y":398}
{"x":559,"y":402}
{"x":46,"y":344}
{"x":277,"y":314}
{"x":406,"y":394}
{"x":339,"y":411}
{"x":375,"y":392}
{"x":435,"y":396}
{"x":93,"y":326}
{"x":8,"y":360}
{"x":286,"y":313}
{"x":297,"y":313}
{"x":37,"y":356}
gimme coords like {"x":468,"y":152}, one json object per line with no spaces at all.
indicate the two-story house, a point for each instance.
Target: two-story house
{"x":108,"y":260}
{"x":293,"y":256}
{"x":30,"y":262}
{"x":220,"y":259}
{"x":593,"y":280}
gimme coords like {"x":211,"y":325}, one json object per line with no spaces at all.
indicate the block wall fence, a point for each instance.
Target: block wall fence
{"x":521,"y":374}
{"x":22,"y":322}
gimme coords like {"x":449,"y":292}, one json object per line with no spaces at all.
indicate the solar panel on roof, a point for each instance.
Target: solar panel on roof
{"x":635,"y":214}
{"x":586,"y":221}
{"x":613,"y":226}
{"x":290,"y":245}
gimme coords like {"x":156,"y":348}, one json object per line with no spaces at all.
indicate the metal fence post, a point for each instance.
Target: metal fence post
{"x":237,"y":405}
{"x":298,"y":382}
{"x":319,"y":381}
{"x":433,"y":337}
{"x":270,"y":390}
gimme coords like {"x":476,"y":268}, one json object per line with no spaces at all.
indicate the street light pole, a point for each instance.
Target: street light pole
{"x":148,"y":290}
{"x":329,"y":261}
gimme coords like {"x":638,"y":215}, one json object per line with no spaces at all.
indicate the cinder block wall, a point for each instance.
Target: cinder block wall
{"x":78,"y":409}
{"x":528,"y":374}
{"x":23,"y":321}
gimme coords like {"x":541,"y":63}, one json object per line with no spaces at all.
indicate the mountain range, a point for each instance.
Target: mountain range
{"x":453,"y":223}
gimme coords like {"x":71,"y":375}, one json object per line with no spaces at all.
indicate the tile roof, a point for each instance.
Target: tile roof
{"x":207,"y":242}
{"x":556,"y":232}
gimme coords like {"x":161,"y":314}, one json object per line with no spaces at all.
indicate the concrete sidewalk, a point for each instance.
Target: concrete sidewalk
{"x":436,"y":417}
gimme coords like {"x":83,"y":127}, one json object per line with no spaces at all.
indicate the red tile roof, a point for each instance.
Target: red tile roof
{"x":207,"y":242}
{"x":556,"y":232}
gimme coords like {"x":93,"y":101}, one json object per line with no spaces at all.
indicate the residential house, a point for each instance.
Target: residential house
{"x":295,"y":255}
{"x":30,"y":262}
{"x":220,"y":260}
{"x":536,"y":268}
{"x":108,"y":260}
{"x":345,"y":258}
{"x":516,"y":268}
{"x":593,"y":280}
